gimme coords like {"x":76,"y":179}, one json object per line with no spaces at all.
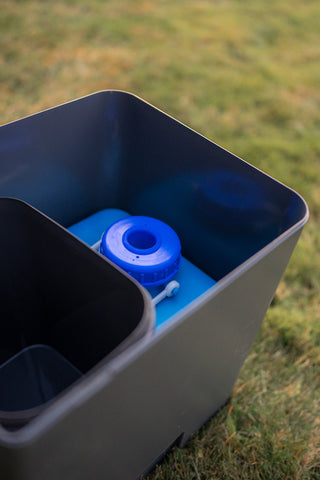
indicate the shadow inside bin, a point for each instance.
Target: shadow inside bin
{"x":222,"y":217}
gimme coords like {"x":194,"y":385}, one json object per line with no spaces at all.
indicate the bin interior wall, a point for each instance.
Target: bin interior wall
{"x":113,"y":150}
{"x":55,"y":291}
{"x":223,"y":209}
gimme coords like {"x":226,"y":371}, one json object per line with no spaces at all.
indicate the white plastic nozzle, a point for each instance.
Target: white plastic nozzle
{"x":170,"y":290}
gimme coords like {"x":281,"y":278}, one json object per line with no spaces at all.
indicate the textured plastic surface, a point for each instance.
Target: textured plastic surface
{"x":148,"y":249}
{"x":193,"y":282}
{"x":112,"y":149}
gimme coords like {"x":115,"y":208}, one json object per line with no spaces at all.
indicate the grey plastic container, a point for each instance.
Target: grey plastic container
{"x":237,"y":224}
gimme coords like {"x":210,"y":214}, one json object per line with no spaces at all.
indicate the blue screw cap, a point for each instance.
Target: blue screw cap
{"x":146,"y":248}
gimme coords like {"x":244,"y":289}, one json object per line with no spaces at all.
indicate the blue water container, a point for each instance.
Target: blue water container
{"x":159,"y":260}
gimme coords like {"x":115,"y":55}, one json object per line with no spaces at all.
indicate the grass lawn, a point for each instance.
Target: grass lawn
{"x":246,"y":74}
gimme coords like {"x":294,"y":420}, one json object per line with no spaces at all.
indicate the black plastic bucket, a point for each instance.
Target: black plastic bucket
{"x":64,"y":309}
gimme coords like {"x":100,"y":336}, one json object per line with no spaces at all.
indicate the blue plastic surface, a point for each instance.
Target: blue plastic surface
{"x":193,"y":281}
{"x":91,"y":229}
{"x":146,"y":248}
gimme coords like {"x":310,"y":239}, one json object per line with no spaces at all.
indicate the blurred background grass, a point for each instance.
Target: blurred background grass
{"x":247,"y":75}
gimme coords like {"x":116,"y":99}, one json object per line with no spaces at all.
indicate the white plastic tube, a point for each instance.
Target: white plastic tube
{"x":96,"y":246}
{"x":170,"y":290}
